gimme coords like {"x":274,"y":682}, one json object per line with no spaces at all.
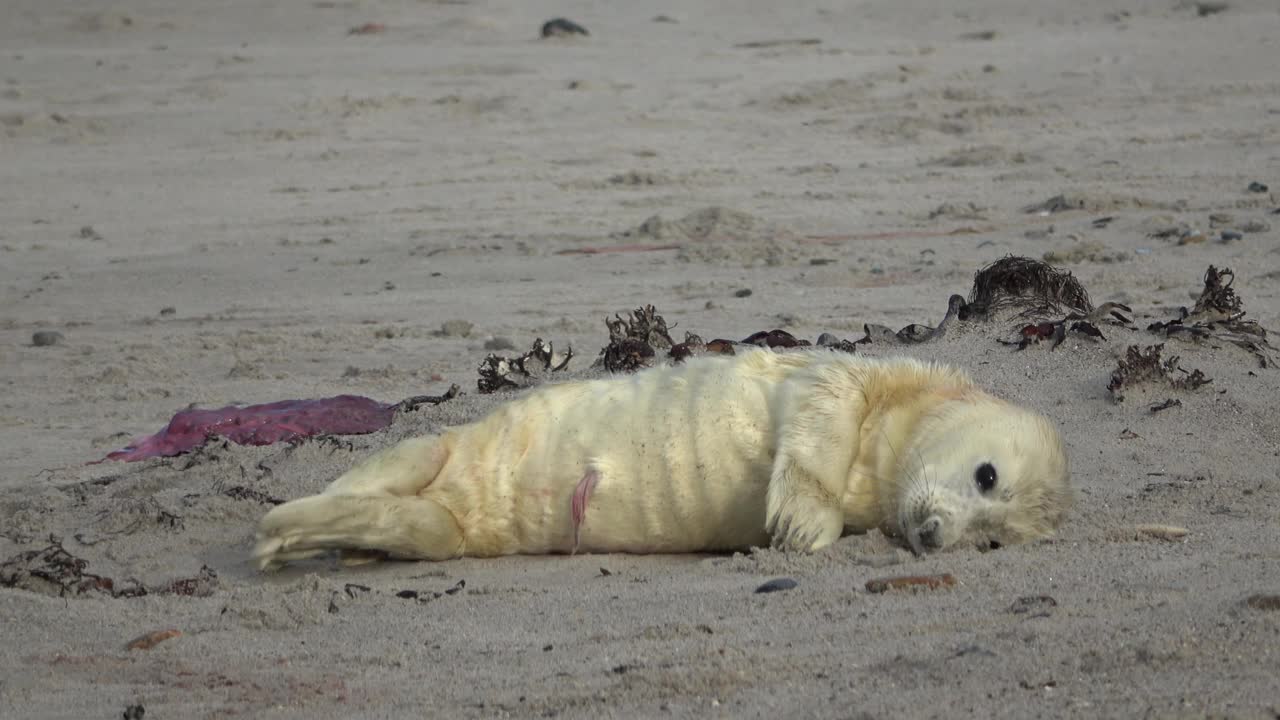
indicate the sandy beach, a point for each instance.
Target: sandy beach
{"x":207,"y":204}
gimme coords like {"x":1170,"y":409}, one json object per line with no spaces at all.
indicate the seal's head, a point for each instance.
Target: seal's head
{"x":980,"y":470}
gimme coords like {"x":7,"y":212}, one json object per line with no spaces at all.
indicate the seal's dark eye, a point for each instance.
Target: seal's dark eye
{"x":985,"y":476}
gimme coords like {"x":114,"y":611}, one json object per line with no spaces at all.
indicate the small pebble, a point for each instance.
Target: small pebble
{"x":1032,"y":603}
{"x":1230,"y":235}
{"x":1161,"y":532}
{"x":821,"y":261}
{"x":1257,"y":187}
{"x":168,"y":310}
{"x":1254,"y":226}
{"x":744,"y":292}
{"x":499,"y":343}
{"x":152,"y":639}
{"x":561,"y":27}
{"x":778,"y":585}
{"x":44,"y":338}
{"x":134,"y":712}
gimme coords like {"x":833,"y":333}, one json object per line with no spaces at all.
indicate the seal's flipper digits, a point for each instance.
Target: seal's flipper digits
{"x":800,"y":515}
{"x":410,"y":528}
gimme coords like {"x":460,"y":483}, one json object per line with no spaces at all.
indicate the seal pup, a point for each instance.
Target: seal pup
{"x":718,"y":453}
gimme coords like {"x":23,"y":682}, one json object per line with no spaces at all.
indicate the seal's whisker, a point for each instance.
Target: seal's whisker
{"x":912,"y":480}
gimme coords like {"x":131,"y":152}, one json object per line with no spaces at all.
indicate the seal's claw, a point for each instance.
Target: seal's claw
{"x":805,"y":524}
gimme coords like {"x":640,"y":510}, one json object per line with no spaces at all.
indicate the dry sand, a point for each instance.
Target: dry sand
{"x":239,"y":201}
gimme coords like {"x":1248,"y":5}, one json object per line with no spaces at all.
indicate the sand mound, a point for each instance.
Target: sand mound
{"x":721,"y":235}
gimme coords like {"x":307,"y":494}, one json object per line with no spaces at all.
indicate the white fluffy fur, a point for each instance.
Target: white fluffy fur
{"x":717,"y":453}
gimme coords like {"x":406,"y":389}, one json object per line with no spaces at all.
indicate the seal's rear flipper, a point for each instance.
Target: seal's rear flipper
{"x":405,"y":468}
{"x":410,"y":528}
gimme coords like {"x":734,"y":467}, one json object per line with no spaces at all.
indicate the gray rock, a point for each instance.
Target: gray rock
{"x":45,"y":338}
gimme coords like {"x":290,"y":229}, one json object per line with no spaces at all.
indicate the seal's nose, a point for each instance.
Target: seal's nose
{"x":930,"y":533}
{"x":926,"y":536}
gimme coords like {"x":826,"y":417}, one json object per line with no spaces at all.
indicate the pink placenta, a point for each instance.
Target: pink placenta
{"x":262,"y":425}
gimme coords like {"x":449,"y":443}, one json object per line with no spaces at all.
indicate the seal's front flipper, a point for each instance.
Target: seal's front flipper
{"x":800,"y":514}
{"x":410,"y":528}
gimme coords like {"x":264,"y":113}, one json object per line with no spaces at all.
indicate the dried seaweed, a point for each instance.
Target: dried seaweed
{"x":500,"y":373}
{"x":1057,"y":330}
{"x":627,"y":355}
{"x":132,"y":515}
{"x":774,"y":339}
{"x":202,"y":585}
{"x":634,"y":343}
{"x":1029,"y":287}
{"x":411,"y":404}
{"x":721,"y":346}
{"x":645,"y":325}
{"x":692,"y":346}
{"x":54,"y":571}
{"x":240,"y":492}
{"x":1145,"y":366}
{"x":915,"y":333}
{"x":1218,"y":315}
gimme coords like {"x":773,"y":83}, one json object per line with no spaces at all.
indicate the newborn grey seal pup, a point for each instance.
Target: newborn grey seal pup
{"x":718,"y":453}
